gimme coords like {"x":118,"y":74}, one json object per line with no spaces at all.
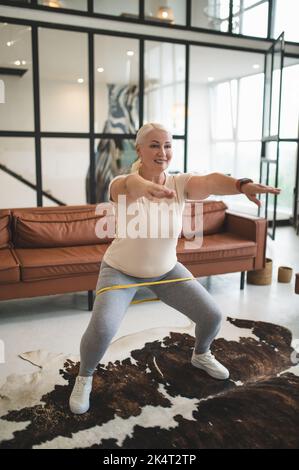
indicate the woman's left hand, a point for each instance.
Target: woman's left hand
{"x":252,"y":189}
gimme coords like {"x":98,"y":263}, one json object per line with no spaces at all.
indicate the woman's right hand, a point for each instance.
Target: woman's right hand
{"x":154,"y":191}
{"x":139,"y":187}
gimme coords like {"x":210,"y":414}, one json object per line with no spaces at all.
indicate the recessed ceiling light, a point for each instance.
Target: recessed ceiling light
{"x":17,"y":62}
{"x":80,"y":80}
{"x":9,"y":43}
{"x":130,"y":53}
{"x":24,"y":62}
{"x":100,"y":69}
{"x":256,"y":66}
{"x":211,"y":79}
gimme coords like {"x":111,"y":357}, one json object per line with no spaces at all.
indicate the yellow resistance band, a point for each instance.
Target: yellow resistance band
{"x":127,"y":286}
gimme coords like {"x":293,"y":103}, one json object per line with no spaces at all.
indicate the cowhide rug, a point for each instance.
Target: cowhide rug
{"x":151,"y":397}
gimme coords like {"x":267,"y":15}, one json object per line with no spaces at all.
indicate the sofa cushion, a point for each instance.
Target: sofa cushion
{"x":213,"y":215}
{"x":4,"y":228}
{"x":56,"y":263}
{"x":219,"y":246}
{"x":56,"y":229}
{"x":9,"y":268}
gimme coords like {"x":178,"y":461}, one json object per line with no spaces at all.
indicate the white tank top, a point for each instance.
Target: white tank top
{"x":145,"y":245}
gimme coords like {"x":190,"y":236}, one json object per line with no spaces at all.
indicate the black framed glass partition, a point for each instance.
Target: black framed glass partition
{"x":225,"y":116}
{"x":16,"y":72}
{"x":63,"y":83}
{"x":213,"y":15}
{"x":164,"y":84}
{"x":260,"y":19}
{"x":250,"y":17}
{"x":17,"y":171}
{"x":116,"y":81}
{"x":270,"y":157}
{"x":90,"y":106}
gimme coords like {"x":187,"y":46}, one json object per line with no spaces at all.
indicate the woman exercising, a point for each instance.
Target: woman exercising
{"x":132,"y":260}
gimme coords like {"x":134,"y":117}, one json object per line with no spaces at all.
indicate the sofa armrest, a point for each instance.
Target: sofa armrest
{"x":252,"y":228}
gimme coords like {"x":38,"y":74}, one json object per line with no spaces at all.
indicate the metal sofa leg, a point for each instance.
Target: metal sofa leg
{"x":90,"y":300}
{"x":242,"y":280}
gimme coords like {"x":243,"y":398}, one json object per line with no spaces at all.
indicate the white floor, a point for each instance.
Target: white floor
{"x":56,"y":323}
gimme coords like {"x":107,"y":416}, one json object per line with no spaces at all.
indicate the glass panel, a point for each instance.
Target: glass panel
{"x":17,"y":159}
{"x":263,"y":196}
{"x":210,"y":14}
{"x":287,"y":177}
{"x":116,"y":84}
{"x":164,"y":95}
{"x":65,"y":164}
{"x":72,"y":4}
{"x":248,"y":162}
{"x":166,"y":11}
{"x":272,"y":173}
{"x":15,"y":56}
{"x":112,"y":157}
{"x":219,"y":80}
{"x":284,"y":18}
{"x":129,"y":8}
{"x":63,"y":81}
{"x":177,"y":161}
{"x":267,"y":102}
{"x":271,"y":150}
{"x":289,"y":99}
{"x":276,"y":81}
{"x":221,"y":111}
{"x":251,"y":107}
{"x":223,"y":158}
{"x":250,"y":17}
{"x":247,"y":165}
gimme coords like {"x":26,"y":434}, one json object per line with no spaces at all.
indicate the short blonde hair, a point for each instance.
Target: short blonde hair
{"x":143,"y":131}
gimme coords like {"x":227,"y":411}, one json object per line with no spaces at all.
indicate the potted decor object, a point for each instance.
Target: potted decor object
{"x":261,"y":277}
{"x":284,"y":274}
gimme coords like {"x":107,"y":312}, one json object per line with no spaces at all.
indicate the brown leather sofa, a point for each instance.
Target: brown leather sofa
{"x":55,"y":250}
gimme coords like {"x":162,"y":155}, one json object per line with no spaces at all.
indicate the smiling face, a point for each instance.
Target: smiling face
{"x":155,"y":151}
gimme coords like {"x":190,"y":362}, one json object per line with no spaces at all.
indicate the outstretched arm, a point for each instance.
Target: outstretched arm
{"x":201,"y":187}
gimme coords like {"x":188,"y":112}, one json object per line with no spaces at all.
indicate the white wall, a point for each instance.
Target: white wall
{"x":17,"y":154}
{"x":64,"y":106}
{"x":199,"y":148}
{"x":17,"y":111}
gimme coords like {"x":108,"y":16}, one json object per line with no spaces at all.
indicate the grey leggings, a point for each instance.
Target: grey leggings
{"x":188,"y":297}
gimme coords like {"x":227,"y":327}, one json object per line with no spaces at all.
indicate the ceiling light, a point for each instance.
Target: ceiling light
{"x":130,"y":53}
{"x":52,"y":3}
{"x":80,"y":80}
{"x":100,"y":69}
{"x":10,"y":43}
{"x":24,"y":62}
{"x":165,"y":13}
{"x":17,"y":62}
{"x":256,"y":66}
{"x":211,"y":79}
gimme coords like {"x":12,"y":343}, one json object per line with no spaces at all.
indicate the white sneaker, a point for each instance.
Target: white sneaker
{"x":209,"y":363}
{"x":79,"y":399}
